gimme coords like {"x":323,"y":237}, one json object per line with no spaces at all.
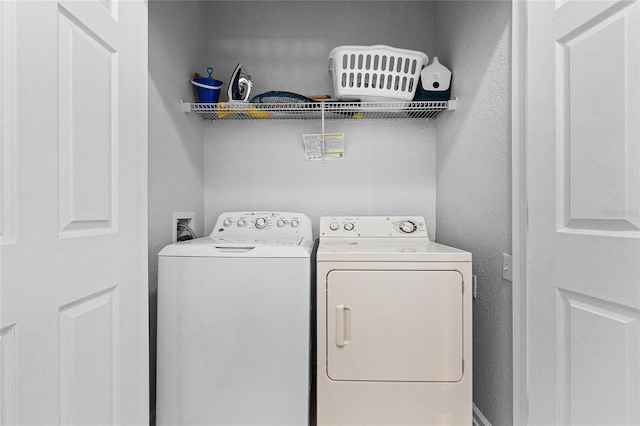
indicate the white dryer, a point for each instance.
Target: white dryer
{"x":394,"y":325}
{"x":234,"y":323}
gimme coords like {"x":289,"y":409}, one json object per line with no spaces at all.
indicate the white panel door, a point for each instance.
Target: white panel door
{"x":583,"y":174}
{"x":74,"y":317}
{"x":394,"y":326}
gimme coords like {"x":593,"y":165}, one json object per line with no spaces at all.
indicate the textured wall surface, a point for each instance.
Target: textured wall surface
{"x":389,"y":167}
{"x":474,"y":181}
{"x":285,"y":44}
{"x":176,"y":38}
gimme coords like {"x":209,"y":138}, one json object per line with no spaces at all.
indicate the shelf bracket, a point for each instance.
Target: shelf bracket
{"x":186,"y":106}
{"x":322,"y":119}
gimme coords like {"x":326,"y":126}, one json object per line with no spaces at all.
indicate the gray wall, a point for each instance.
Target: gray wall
{"x":389,"y":166}
{"x":176,"y":41}
{"x":474,"y":181}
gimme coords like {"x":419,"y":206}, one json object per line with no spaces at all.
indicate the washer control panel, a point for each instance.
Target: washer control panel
{"x":273,"y":224}
{"x":373,"y":226}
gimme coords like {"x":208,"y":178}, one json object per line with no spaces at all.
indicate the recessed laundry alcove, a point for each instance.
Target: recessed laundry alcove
{"x":454,"y":170}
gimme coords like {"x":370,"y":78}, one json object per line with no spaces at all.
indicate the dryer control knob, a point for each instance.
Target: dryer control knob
{"x":261,"y":222}
{"x":334,"y":226}
{"x":408,"y":227}
{"x":281,"y":223}
{"x":294,"y":223}
{"x":349,"y":226}
{"x":241,"y":223}
{"x":226,"y":222}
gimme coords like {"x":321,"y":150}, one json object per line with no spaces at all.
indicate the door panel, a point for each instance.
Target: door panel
{"x":591,"y":358}
{"x":394,"y":325}
{"x":583,"y":237}
{"x":7,"y":372}
{"x":597,"y":65}
{"x":74,"y":318}
{"x":86,"y":397}
{"x":8,"y":121}
{"x":87,"y":124}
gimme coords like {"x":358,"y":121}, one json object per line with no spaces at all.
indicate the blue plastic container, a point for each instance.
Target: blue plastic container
{"x":208,"y":89}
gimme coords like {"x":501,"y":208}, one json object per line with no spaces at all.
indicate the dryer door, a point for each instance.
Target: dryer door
{"x":394,"y":326}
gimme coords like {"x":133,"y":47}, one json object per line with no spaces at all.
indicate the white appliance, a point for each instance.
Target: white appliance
{"x":394,"y":325}
{"x":234,"y":323}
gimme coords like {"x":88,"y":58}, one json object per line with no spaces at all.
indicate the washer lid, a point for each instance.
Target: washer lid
{"x":388,"y":249}
{"x":240,"y":247}
{"x":266,"y":241}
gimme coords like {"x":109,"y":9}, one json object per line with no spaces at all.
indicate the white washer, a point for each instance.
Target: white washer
{"x":394,"y":325}
{"x":234,"y":323}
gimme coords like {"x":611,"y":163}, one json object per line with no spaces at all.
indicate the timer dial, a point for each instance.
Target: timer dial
{"x":261,"y":222}
{"x":408,"y":227}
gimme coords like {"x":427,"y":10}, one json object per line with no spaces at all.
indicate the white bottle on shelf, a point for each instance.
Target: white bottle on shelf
{"x":435,"y":82}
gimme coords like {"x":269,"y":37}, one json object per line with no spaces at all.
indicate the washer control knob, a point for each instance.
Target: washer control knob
{"x":226,"y":222}
{"x":294,"y":223}
{"x":408,"y":227}
{"x":281,"y":223}
{"x":242,"y":223}
{"x":261,"y":222}
{"x":349,"y":226}
{"x":334,"y":226}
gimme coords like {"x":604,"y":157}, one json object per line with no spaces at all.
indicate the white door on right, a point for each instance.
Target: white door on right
{"x":583,"y":237}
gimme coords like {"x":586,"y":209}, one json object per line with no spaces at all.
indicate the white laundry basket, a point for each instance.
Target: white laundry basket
{"x":375,"y":73}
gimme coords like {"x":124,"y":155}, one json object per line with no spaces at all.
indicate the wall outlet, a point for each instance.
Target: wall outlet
{"x":507,"y":267}
{"x":186,"y":218}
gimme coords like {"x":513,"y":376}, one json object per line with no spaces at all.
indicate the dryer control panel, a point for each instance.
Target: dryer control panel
{"x":373,"y":226}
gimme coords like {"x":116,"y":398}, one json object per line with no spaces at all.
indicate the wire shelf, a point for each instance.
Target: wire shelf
{"x":319,"y":110}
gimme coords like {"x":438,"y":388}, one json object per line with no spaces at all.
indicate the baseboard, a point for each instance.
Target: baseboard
{"x":478,"y":418}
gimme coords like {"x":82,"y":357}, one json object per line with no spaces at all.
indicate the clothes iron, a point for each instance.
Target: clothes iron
{"x":240,"y":85}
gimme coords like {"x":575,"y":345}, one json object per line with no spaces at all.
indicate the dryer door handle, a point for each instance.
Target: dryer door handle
{"x":343,"y":325}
